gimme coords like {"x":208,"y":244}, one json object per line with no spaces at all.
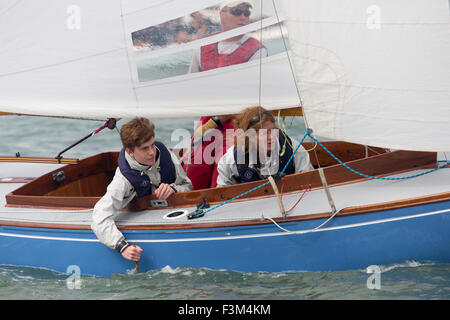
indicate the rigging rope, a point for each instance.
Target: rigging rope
{"x":298,"y":201}
{"x":308,"y":134}
{"x":305,"y":231}
{"x":378,"y":178}
{"x":264,"y":184}
{"x":110,"y":123}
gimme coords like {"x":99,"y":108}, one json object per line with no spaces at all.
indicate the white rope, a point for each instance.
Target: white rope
{"x":305,"y":231}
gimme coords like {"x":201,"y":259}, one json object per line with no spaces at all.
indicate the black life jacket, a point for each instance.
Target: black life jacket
{"x":247,"y":174}
{"x":139,"y":180}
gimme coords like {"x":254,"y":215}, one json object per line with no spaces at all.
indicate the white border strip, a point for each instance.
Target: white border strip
{"x":195,"y":44}
{"x":275,"y":234}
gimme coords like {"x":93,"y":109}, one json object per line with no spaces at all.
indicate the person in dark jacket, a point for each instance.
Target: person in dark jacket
{"x":261,"y":151}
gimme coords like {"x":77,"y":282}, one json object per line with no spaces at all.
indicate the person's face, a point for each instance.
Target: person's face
{"x":230,"y":21}
{"x":144,"y":154}
{"x":265,"y":136}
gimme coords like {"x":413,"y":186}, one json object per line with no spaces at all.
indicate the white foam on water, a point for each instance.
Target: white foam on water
{"x":406,"y":264}
{"x":169,"y":269}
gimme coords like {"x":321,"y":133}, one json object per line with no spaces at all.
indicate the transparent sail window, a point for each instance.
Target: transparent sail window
{"x":174,"y":35}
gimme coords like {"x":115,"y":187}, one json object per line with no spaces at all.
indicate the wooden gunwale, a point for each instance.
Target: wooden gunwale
{"x":15,"y":180}
{"x":382,"y":164}
{"x":379,"y":165}
{"x":39,"y":160}
{"x":355,"y":210}
{"x":41,"y":192}
{"x":59,"y":202}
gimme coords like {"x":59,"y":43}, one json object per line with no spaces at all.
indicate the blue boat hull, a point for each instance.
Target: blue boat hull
{"x":420,"y":233}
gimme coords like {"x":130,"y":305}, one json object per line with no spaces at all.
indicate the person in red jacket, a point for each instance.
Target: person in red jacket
{"x":201,"y":162}
{"x":238,"y":49}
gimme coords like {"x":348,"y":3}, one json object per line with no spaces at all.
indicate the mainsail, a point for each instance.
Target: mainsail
{"x":78,"y":58}
{"x":376,"y":74}
{"x":371,"y":74}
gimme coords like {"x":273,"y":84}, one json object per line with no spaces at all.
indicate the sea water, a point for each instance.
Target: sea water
{"x":410,"y":280}
{"x":38,"y":136}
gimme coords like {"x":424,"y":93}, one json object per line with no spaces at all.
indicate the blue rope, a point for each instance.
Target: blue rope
{"x":237,"y":197}
{"x":308,"y":131}
{"x":308,"y":134}
{"x":372,"y":177}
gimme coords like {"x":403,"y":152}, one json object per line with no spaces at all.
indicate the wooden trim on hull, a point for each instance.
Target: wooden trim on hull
{"x":289,"y":112}
{"x":15,"y":180}
{"x":95,"y":173}
{"x":39,"y":160}
{"x":86,"y":182}
{"x":356,"y":210}
{"x":384,"y":164}
{"x":345,"y":212}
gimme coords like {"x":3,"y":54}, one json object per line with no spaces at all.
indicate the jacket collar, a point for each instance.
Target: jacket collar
{"x":137,"y":166}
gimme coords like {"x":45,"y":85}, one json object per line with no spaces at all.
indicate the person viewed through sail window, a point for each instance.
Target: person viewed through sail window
{"x":201,"y":172}
{"x":239,"y":49}
{"x":261,"y":151}
{"x":145,"y":167}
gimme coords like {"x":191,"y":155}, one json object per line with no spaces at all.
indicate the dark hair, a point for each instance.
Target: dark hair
{"x":136,"y":132}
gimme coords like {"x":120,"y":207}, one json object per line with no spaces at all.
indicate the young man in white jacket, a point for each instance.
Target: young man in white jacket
{"x":145,"y":167}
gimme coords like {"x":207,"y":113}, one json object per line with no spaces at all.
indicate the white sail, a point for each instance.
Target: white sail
{"x":77,"y":58}
{"x":374,"y":72}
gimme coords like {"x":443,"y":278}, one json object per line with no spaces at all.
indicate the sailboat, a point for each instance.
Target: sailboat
{"x":373,"y":80}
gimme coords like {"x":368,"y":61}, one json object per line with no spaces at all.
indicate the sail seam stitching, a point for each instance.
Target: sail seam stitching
{"x":60,"y":63}
{"x":133,"y":87}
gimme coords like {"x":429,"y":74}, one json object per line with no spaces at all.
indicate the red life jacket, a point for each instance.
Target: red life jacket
{"x":211,"y":59}
{"x":203,"y":144}
{"x":204,"y":175}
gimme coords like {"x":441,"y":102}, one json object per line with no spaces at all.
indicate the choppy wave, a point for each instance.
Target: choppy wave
{"x":408,"y":280}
